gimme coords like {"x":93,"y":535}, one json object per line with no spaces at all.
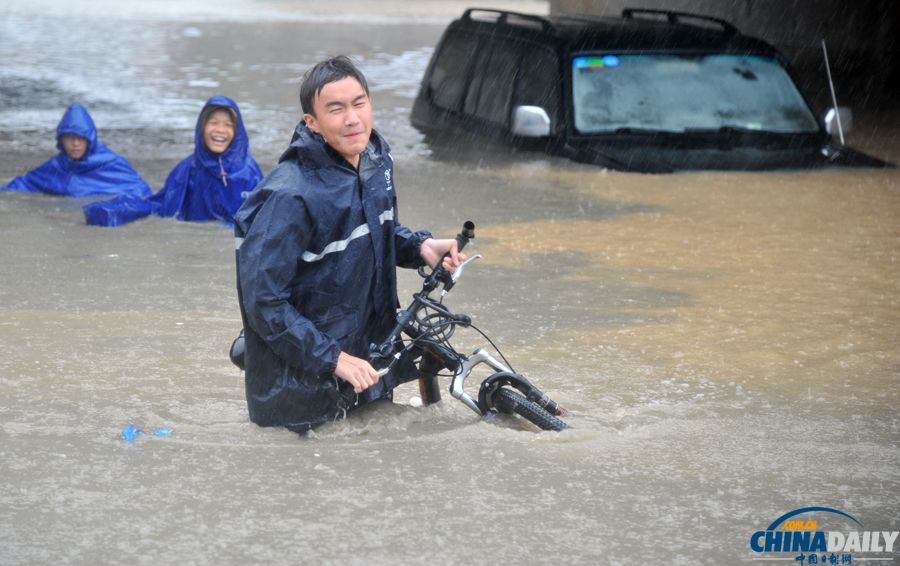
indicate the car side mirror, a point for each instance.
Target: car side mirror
{"x":531,"y":122}
{"x":831,"y":120}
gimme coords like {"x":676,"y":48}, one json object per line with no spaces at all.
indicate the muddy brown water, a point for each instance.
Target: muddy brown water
{"x":725,"y":342}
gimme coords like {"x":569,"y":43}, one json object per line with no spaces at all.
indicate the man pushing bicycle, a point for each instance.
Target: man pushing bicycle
{"x":318,"y":242}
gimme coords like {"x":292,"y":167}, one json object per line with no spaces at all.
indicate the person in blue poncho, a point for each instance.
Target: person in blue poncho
{"x":209,"y":184}
{"x":84,"y":166}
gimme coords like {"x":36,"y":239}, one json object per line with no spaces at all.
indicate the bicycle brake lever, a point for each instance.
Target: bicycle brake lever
{"x":457,"y":273}
{"x":386,"y":369}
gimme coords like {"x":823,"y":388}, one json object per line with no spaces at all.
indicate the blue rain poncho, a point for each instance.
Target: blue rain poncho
{"x":203,"y":186}
{"x":100,"y":172}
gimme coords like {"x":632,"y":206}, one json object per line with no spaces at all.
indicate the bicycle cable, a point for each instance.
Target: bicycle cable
{"x":496,"y":348}
{"x":452,"y":323}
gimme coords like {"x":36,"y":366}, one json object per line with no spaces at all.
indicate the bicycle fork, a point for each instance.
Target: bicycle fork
{"x":502,"y":376}
{"x":457,"y":384}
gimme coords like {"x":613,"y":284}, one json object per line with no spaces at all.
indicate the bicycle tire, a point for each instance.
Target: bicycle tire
{"x":509,"y":401}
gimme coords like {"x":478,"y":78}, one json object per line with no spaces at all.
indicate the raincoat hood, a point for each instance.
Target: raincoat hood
{"x":310,"y":148}
{"x":100,"y":172}
{"x":78,"y":121}
{"x":233,"y":158}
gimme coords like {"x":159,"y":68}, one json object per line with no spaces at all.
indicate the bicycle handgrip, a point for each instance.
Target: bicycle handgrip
{"x":467,"y":233}
{"x":441,"y":275}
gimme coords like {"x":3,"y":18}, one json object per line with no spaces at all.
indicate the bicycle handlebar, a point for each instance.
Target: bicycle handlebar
{"x":441,"y":275}
{"x":437,"y":276}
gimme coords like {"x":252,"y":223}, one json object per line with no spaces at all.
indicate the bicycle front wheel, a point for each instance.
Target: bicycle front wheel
{"x":507,"y":400}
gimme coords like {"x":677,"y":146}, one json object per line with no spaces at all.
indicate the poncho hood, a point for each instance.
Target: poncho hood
{"x":78,"y":121}
{"x":232,"y":159}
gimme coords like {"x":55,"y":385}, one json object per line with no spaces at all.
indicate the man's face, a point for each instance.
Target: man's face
{"x":343,"y":116}
{"x":74,"y":146}
{"x":218,"y":131}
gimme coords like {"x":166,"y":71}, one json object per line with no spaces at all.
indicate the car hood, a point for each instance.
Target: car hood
{"x":665,"y":152}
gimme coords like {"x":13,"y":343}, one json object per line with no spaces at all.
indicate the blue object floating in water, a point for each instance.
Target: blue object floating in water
{"x":131,"y":432}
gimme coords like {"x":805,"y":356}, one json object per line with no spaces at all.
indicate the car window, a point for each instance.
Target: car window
{"x":485,"y":76}
{"x":447,"y":83}
{"x":480,"y":74}
{"x":680,"y":92}
{"x":538,"y":82}
{"x":490,"y":91}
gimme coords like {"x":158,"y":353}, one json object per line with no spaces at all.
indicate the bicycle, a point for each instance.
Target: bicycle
{"x":428,"y":326}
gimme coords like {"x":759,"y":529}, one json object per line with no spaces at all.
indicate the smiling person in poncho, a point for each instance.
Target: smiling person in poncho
{"x":209,"y":184}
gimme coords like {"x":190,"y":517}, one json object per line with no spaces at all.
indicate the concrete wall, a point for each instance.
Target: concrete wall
{"x":860,"y":35}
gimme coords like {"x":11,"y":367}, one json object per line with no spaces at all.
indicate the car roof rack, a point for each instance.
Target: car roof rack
{"x":544,"y":24}
{"x":674,"y":17}
{"x":512,"y":18}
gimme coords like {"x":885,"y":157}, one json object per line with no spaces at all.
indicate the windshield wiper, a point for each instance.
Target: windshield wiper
{"x":738,"y":130}
{"x":719,"y":130}
{"x":643,"y":131}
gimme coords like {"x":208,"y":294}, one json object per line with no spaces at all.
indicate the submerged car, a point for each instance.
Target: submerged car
{"x":650,"y":91}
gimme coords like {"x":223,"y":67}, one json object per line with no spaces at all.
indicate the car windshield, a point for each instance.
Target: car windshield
{"x":677,"y":93}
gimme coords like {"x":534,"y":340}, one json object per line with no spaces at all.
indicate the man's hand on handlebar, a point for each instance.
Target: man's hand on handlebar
{"x":433,"y":250}
{"x":356,"y":371}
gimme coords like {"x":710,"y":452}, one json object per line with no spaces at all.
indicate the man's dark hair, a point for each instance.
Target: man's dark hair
{"x":323,"y":73}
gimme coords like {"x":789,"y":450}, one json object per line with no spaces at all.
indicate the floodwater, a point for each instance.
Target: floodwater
{"x":725,"y":342}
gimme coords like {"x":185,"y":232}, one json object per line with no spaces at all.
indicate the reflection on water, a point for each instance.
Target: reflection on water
{"x":726,"y":342}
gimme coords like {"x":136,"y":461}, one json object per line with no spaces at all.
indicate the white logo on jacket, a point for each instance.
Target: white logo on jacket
{"x":387,"y":179}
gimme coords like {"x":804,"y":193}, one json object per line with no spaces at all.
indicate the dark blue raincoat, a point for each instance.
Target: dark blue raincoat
{"x":100,"y":172}
{"x":317,"y":247}
{"x":203,"y":186}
